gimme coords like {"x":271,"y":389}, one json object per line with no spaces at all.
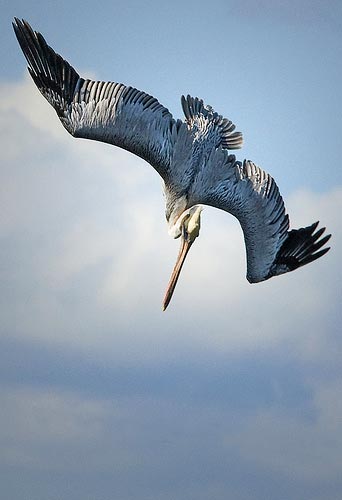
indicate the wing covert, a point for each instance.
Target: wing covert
{"x":252,"y":196}
{"x":201,"y":119}
{"x":103,"y":111}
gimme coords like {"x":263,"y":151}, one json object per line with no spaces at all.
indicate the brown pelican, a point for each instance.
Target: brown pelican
{"x":191,"y":157}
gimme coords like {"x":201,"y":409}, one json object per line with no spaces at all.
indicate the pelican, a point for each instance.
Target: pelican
{"x":191,"y":156}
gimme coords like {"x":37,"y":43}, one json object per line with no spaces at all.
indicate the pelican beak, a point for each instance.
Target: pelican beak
{"x":183,"y":252}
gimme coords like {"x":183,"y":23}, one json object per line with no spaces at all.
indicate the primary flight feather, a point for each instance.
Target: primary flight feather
{"x":192,"y":157}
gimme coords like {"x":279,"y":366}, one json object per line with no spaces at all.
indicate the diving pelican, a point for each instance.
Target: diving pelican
{"x":191,"y":156}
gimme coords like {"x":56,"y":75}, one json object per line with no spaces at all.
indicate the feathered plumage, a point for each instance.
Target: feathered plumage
{"x":192,"y":156}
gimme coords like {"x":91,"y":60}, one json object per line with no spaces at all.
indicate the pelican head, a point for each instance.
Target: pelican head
{"x":187,"y":227}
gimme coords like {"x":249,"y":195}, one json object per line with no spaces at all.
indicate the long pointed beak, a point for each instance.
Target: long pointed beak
{"x":183,"y":252}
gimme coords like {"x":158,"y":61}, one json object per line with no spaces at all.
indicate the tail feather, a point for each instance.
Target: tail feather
{"x":301,"y":247}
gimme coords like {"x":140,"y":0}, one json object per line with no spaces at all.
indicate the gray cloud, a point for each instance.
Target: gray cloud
{"x":103,"y":390}
{"x":304,"y":449}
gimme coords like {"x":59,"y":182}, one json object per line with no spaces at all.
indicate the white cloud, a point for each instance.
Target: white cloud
{"x":88,"y":255}
{"x":234,"y":392}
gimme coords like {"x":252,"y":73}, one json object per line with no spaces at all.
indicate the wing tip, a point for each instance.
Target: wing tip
{"x":302,"y":246}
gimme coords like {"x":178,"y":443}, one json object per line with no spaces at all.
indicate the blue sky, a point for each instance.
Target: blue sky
{"x":235,"y":391}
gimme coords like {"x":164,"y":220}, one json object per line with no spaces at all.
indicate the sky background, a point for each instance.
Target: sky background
{"x":234,"y":393}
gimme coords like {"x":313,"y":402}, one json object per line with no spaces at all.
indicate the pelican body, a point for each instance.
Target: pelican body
{"x":192,"y":157}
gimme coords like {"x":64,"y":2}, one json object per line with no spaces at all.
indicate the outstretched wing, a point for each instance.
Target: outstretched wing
{"x":103,"y":111}
{"x":250,"y":194}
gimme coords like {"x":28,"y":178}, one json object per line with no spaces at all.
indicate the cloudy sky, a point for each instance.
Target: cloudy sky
{"x":235,"y":391}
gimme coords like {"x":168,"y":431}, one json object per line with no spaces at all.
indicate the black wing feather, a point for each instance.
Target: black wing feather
{"x":300,"y":248}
